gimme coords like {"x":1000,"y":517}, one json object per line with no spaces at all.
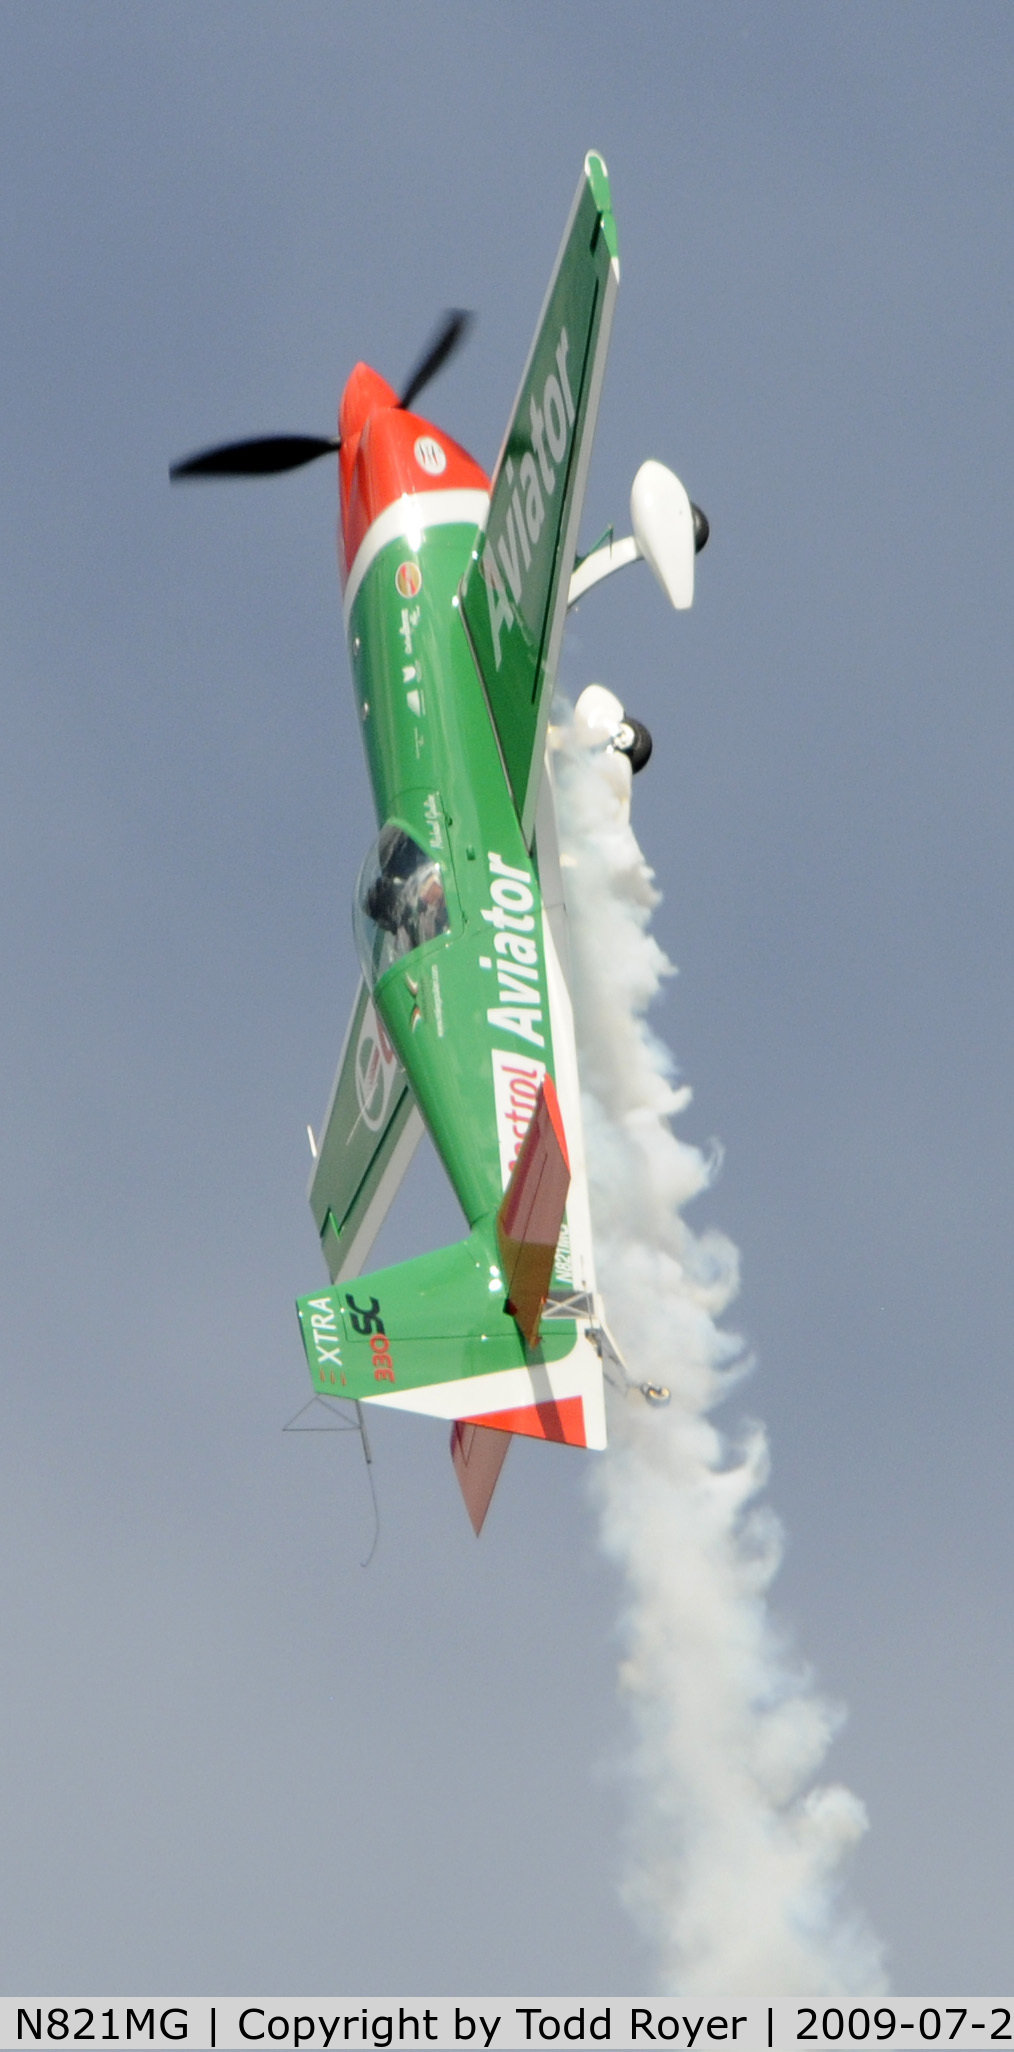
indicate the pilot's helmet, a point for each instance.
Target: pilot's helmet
{"x":397,"y":854}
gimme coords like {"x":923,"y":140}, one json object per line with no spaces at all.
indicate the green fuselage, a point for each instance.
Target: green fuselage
{"x":459,"y":1007}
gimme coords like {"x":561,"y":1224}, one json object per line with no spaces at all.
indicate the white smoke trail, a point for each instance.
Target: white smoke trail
{"x":734,"y":1856}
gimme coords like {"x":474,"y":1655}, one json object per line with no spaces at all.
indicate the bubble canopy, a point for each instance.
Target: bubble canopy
{"x":400,"y":901}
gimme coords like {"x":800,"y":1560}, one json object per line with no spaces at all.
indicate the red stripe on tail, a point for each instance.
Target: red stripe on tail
{"x":560,"y":1419}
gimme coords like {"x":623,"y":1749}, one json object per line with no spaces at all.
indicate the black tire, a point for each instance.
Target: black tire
{"x":638,"y":748}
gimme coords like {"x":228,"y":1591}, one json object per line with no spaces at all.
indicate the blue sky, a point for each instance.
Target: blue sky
{"x":230,"y":1756}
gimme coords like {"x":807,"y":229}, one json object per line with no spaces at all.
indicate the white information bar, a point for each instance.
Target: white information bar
{"x":493,"y":2023}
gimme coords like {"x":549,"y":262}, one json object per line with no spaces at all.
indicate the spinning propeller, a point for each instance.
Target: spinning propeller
{"x":266,"y":455}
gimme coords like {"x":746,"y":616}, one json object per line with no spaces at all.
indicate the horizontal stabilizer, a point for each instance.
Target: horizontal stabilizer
{"x":434,"y":1335}
{"x":531,"y":1212}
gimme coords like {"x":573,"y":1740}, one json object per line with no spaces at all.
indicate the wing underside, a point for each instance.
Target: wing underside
{"x":370,"y":1133}
{"x":514,"y":594}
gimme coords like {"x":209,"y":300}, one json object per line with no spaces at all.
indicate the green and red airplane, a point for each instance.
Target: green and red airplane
{"x":456,"y":590}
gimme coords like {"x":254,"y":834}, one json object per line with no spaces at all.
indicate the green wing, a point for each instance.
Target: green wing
{"x":514,"y":594}
{"x":370,"y":1134}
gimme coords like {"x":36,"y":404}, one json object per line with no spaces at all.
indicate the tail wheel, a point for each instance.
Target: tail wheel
{"x":633,"y":741}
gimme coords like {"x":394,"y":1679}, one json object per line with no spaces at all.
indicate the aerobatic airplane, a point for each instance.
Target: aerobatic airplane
{"x":456,"y":589}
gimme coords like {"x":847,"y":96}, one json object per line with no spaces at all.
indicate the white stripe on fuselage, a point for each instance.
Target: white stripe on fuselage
{"x":568,"y":1089}
{"x":408,"y":518}
{"x":561,"y":1022}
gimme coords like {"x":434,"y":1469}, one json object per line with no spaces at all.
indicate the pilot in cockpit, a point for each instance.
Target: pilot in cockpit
{"x":407,"y":897}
